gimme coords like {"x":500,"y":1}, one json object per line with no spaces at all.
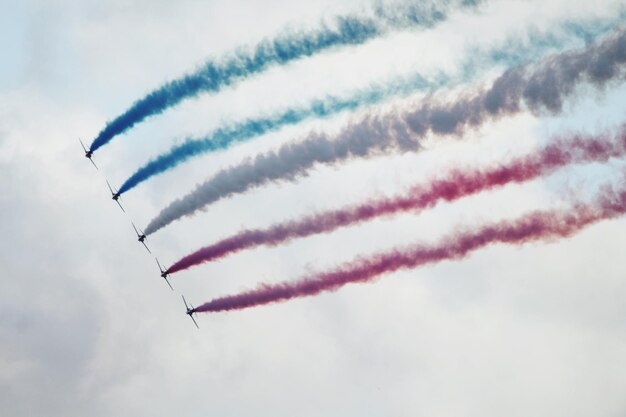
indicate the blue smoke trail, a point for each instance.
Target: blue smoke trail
{"x":513,"y":52}
{"x":288,"y":47}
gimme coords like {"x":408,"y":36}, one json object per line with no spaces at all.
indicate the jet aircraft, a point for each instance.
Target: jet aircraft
{"x":141,"y":237}
{"x":164,"y":273}
{"x":115,"y":195}
{"x":190,"y":311}
{"x":88,"y":153}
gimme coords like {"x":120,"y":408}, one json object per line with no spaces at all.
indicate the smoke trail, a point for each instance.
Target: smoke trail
{"x":477,"y":60}
{"x":288,"y":47}
{"x":541,"y":87}
{"x":456,"y":184}
{"x":539,"y":225}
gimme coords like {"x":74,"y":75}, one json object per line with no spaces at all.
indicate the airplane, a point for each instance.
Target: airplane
{"x":164,"y":274}
{"x":116,"y":196}
{"x":88,"y":153}
{"x":141,"y":237}
{"x":190,"y":311}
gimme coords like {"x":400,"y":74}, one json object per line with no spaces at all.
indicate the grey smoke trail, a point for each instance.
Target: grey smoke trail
{"x":539,"y":87}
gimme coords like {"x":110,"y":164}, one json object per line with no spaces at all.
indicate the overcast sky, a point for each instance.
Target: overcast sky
{"x":87,"y":327}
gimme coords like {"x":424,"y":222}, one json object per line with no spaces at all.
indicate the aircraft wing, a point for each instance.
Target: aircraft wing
{"x":144,"y":243}
{"x":168,"y":283}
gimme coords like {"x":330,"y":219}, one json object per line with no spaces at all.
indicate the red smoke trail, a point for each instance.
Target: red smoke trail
{"x":540,"y":225}
{"x":456,"y":184}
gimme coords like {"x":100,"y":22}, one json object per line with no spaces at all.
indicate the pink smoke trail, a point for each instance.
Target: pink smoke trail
{"x":539,"y":225}
{"x":456,"y":184}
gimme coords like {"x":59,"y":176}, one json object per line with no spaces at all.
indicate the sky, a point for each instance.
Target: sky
{"x":88,"y":327}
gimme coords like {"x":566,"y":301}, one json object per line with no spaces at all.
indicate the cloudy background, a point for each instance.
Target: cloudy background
{"x":88,"y":328}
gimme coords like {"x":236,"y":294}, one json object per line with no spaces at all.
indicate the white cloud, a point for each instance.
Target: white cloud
{"x":87,"y":327}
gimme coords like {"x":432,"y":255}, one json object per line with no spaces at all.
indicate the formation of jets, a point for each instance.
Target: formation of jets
{"x":141,"y":236}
